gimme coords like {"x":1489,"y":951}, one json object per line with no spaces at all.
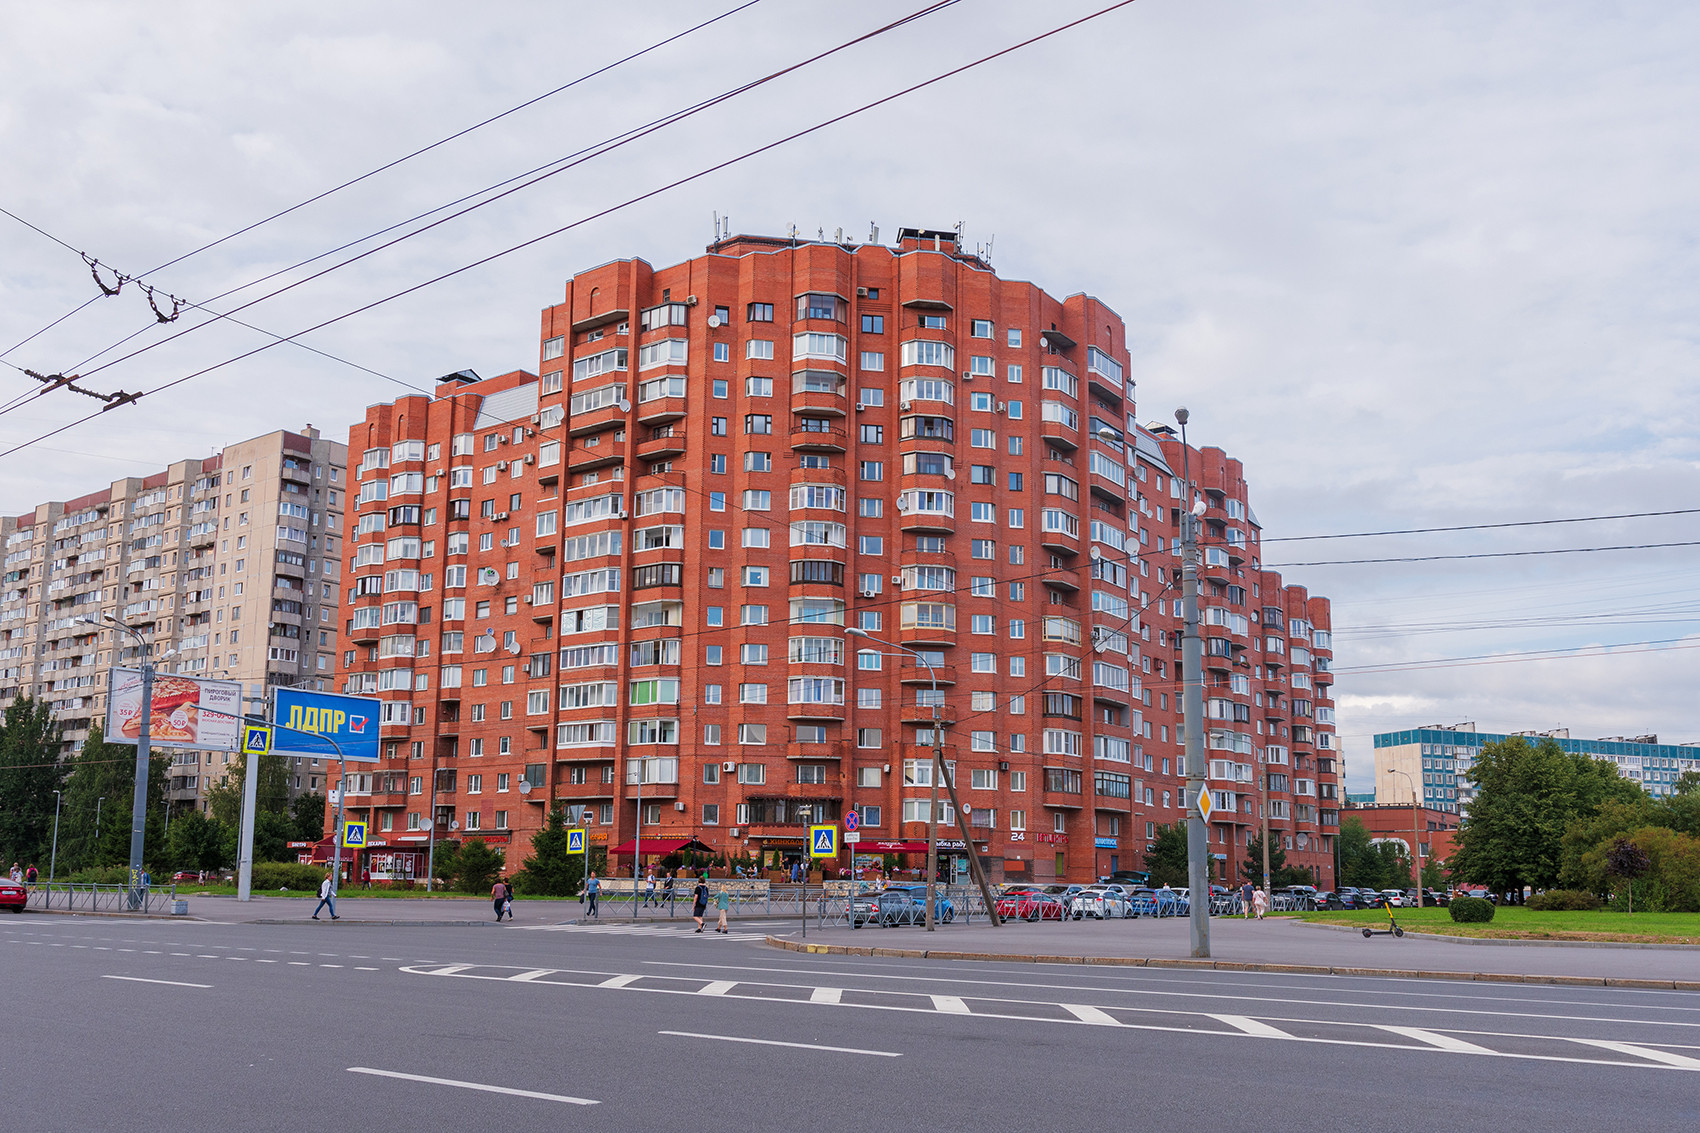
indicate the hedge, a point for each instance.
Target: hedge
{"x":1471,"y":910}
{"x":1567,"y":900}
{"x":287,"y":875}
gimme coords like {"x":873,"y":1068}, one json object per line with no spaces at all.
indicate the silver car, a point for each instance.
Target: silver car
{"x":1101,"y":902}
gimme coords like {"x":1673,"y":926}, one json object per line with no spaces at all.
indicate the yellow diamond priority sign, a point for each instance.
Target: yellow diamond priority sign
{"x":1204,"y":804}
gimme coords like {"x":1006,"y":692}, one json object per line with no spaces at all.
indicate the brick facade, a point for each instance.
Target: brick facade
{"x":640,"y":564}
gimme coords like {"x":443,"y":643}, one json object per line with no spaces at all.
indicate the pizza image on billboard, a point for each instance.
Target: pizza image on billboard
{"x":186,"y":712}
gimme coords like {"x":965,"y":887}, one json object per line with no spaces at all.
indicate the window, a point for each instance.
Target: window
{"x":759,"y":313}
{"x":871,"y":434}
{"x":872,"y":470}
{"x":873,"y":360}
{"x":980,"y":328}
{"x":722,"y":353}
{"x":756,"y":424}
{"x":758,"y":462}
{"x":982,"y":438}
{"x":925,"y":352}
{"x":758,"y":348}
{"x":873,"y":324}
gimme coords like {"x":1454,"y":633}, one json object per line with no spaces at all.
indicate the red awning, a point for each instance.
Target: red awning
{"x":661,"y":846}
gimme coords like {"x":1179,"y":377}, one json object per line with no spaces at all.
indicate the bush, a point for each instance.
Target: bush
{"x":1471,"y":910}
{"x":1563,"y":900}
{"x":287,"y":875}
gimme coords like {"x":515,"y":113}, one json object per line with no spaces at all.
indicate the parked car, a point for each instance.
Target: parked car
{"x":1303,"y":896}
{"x":13,"y":895}
{"x":1101,"y":902}
{"x":1030,"y":906}
{"x":1129,"y":879}
{"x":944,"y":914}
{"x":1394,"y":897}
{"x":1436,"y":898}
{"x":1370,"y":899}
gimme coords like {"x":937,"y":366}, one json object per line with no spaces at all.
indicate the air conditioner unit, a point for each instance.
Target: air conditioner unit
{"x":860,"y":407}
{"x":897,"y":580}
{"x":1003,"y":406}
{"x":501,"y":515}
{"x":690,"y":300}
{"x":729,"y":765}
{"x":967,"y":375}
{"x":531,"y":458}
{"x":680,"y":807}
{"x":501,"y":465}
{"x":904,"y":405}
{"x":537,"y":418}
{"x":528,"y":599}
{"x":503,"y":439}
{"x":733,"y":832}
{"x":861,"y":292}
{"x":870,"y":593}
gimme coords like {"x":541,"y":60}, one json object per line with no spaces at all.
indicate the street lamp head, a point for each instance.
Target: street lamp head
{"x":854,"y":632}
{"x":1181,"y":415}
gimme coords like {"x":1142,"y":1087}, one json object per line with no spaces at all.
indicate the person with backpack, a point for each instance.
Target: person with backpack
{"x":499,"y":895}
{"x":699,"y":901}
{"x":327,"y":896}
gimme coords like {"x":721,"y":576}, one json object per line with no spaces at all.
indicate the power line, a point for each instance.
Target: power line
{"x":1571,"y":653}
{"x":537,"y":176}
{"x":380,"y":169}
{"x":718,"y":166}
{"x":1481,"y":526}
{"x":1479,"y":554}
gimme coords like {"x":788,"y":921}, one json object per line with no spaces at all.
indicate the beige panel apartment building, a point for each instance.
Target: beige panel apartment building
{"x":228,"y":567}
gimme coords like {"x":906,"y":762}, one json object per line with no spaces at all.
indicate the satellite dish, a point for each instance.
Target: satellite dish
{"x":713,"y":321}
{"x":1096,"y":553}
{"x":525,"y":786}
{"x":454,"y":824}
{"x":625,"y":406}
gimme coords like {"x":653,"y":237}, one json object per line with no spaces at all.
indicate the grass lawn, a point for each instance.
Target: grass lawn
{"x":1517,"y":923}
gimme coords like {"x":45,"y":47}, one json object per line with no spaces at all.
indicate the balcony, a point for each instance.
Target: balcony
{"x":819,"y":403}
{"x":820,"y":440}
{"x":1061,"y":579}
{"x":834,"y":476}
{"x":913,"y":674}
{"x":597,"y":420}
{"x":815,"y":711}
{"x":610,"y":451}
{"x":923,"y":714}
{"x":814,"y":753}
{"x":926,"y":521}
{"x":670,"y":443}
{"x":362,"y":635}
{"x":662,"y":409}
{"x":1058,"y":434}
{"x":927,"y":635}
{"x":1060,"y":542}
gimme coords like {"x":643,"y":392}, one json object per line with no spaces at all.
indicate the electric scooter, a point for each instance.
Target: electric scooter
{"x":1392,"y":928}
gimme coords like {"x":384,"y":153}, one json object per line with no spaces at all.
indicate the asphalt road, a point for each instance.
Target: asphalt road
{"x":165,"y":1025}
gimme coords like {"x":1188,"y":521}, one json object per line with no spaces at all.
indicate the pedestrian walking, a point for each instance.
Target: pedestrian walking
{"x":723,"y":902}
{"x":327,"y":897}
{"x":16,"y":874}
{"x":667,"y":889}
{"x":649,"y":892}
{"x":31,"y":875}
{"x":1245,"y":899}
{"x":366,"y":878}
{"x":592,"y":888}
{"x":1260,"y":902}
{"x":699,"y":901}
{"x":499,"y":896}
{"x":508,"y":905}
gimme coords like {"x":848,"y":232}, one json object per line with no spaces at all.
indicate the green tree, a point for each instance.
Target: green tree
{"x":30,"y":771}
{"x":309,"y":813}
{"x":271,"y":791}
{"x":1166,"y":860}
{"x":1361,"y":863}
{"x":550,"y":869}
{"x":197,"y":842}
{"x":1280,"y":873}
{"x":1688,"y":783}
{"x":478,"y":866}
{"x":1582,"y":849}
{"x":102,"y":787}
{"x":1527,"y":796}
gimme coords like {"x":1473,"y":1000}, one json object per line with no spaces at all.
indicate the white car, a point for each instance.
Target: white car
{"x":1101,"y":902}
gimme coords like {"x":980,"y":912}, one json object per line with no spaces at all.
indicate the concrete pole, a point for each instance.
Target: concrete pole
{"x":245,"y":848}
{"x":53,"y":862}
{"x":1192,"y":704}
{"x":139,"y":804}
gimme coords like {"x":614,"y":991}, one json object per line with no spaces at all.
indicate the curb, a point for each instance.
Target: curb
{"x":120,"y":916}
{"x":1236,"y":966}
{"x":1516,"y":943}
{"x":373,"y":924}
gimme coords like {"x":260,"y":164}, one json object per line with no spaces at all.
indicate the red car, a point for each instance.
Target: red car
{"x":13,"y":895}
{"x":1028,"y":905}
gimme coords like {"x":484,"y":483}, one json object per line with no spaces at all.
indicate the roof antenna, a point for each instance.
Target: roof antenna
{"x":873,"y":233}
{"x":716,"y":226}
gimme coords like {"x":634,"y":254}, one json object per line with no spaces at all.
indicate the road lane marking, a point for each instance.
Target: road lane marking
{"x":299,"y":964}
{"x":1680,"y":1061}
{"x":776,"y":1042}
{"x":1251,"y":1026}
{"x":1087,"y":1014}
{"x":330,"y":965}
{"x":988,"y":1009}
{"x":361,"y":969}
{"x":265,"y":961}
{"x":140,"y":980}
{"x":527,"y":977}
{"x":485,"y":1087}
{"x":1444,"y":1042}
{"x":826,"y":995}
{"x":718,"y":987}
{"x":949,"y":1005}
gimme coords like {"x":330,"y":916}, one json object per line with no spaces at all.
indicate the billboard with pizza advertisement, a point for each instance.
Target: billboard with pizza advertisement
{"x":188,"y":712}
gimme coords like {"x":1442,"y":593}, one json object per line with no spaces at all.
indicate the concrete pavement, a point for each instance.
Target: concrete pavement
{"x":1279,"y":944}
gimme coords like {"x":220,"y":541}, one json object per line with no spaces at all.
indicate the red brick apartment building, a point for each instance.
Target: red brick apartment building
{"x":629,"y":578}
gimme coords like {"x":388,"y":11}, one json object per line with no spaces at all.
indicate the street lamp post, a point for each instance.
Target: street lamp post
{"x":1192,"y":709}
{"x":53,"y":862}
{"x":1416,"y":835}
{"x":139,"y":805}
{"x":97,"y":803}
{"x":940,"y":772}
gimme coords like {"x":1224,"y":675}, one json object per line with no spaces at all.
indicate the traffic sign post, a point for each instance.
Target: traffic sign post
{"x":852,"y":837}
{"x":256,"y":739}
{"x":575,"y":841}
{"x":852,"y":821}
{"x":354,"y":835}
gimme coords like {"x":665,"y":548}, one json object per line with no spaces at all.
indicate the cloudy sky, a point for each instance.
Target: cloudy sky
{"x":1417,"y":265}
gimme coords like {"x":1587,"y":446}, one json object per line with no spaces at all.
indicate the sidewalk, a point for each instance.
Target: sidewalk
{"x":1273,"y":945}
{"x":457,"y":910}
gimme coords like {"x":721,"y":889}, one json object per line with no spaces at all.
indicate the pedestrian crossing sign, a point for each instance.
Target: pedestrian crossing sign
{"x":256,"y":739}
{"x":823,"y":841}
{"x":575,"y":841}
{"x":354,"y":835}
